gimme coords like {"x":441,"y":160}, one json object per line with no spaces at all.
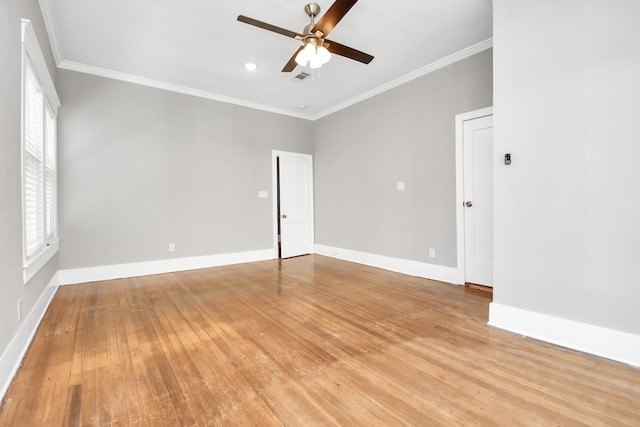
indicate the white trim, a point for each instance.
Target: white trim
{"x":611,"y":344}
{"x":31,"y":48}
{"x":109,"y":272}
{"x":430,"y":68}
{"x":36,"y":263}
{"x":275,"y":195}
{"x":460,"y":119}
{"x":15,"y":351}
{"x":274,"y":204}
{"x":116,"y":75}
{"x":274,"y":190}
{"x":399,"y":265}
{"x":49,"y":22}
{"x":158,"y":84}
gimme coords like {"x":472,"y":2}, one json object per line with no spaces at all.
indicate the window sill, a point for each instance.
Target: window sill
{"x":34,"y":265}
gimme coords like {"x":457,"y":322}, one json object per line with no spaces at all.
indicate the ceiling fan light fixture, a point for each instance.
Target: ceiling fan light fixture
{"x":302,"y":58}
{"x":310,"y":49}
{"x":315,"y":63}
{"x":313,"y":54}
{"x":323,"y":54}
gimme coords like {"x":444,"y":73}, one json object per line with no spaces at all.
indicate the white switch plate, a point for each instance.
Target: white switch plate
{"x":432,"y":253}
{"x":263,"y":194}
{"x":172,"y":247}
{"x":400,"y":186}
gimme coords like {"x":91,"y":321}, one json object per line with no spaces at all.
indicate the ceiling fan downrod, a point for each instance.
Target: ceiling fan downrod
{"x":313,"y":10}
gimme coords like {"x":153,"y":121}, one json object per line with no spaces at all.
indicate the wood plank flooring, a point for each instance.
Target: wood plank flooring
{"x":308,"y":341}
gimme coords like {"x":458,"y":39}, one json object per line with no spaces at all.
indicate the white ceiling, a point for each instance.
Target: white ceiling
{"x":198,"y":46}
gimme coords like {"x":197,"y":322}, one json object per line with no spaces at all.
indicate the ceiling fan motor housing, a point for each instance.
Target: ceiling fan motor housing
{"x":312,"y":9}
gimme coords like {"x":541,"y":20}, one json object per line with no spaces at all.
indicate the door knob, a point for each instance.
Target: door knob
{"x":284,"y":216}
{"x":468,"y":204}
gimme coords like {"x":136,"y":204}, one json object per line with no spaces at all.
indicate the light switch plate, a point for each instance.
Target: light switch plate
{"x":263,"y":194}
{"x":400,"y":186}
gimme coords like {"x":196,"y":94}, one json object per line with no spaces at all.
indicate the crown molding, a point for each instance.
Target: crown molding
{"x":158,"y":84}
{"x":47,"y":15}
{"x":430,"y":68}
{"x":441,"y":63}
{"x":116,"y":75}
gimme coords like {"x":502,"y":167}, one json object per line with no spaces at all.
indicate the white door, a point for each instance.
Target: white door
{"x":478,"y":200}
{"x":296,"y":204}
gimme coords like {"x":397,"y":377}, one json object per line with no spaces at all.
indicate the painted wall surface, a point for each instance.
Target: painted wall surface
{"x":567,"y":102}
{"x":141,"y":168}
{"x":405,"y":135}
{"x":12,"y":288}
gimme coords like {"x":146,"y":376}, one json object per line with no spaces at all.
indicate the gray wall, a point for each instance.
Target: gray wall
{"x":12,"y":288}
{"x":567,"y":212}
{"x":143,"y":167}
{"x":405,"y":134}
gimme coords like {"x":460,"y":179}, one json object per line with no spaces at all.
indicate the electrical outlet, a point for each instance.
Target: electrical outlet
{"x":172,"y":247}
{"x":432,"y":253}
{"x":19,"y":309}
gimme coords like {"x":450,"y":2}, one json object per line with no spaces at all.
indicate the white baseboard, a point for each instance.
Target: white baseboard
{"x":412,"y":268}
{"x":118,"y":271}
{"x":15,"y":351}
{"x":611,"y":344}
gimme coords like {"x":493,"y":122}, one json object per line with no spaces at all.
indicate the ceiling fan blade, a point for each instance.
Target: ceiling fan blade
{"x":348,"y":52}
{"x":292,"y":62}
{"x":268,"y":27}
{"x":332,"y":16}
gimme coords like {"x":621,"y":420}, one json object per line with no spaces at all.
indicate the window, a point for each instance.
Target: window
{"x":39,"y":141}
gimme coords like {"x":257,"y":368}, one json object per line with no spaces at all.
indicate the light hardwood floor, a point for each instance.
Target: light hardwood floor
{"x":308,"y":341}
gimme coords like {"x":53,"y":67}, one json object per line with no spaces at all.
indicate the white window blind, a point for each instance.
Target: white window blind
{"x":39,"y":142}
{"x":50,"y":167}
{"x":33,"y":164}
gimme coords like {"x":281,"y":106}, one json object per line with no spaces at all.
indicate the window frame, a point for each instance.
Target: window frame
{"x":47,"y":192}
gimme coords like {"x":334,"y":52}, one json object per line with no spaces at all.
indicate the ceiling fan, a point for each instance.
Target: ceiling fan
{"x":316,"y":49}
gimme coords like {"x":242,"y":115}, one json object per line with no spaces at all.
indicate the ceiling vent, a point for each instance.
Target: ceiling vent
{"x":300,"y":77}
